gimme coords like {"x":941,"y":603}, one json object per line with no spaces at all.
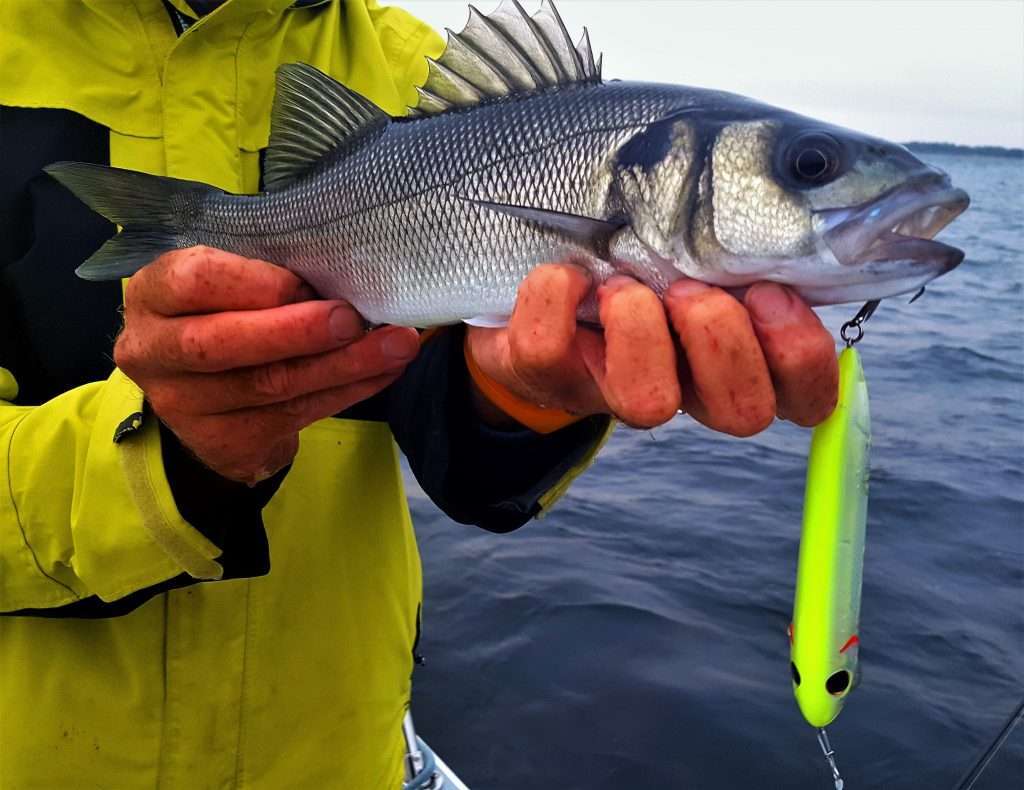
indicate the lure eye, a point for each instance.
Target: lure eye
{"x":794,"y":672}
{"x":838,"y":682}
{"x":813,"y":159}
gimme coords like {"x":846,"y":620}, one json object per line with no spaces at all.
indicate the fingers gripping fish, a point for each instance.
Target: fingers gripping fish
{"x":518,"y":153}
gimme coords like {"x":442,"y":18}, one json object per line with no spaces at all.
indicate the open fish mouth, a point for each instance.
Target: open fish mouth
{"x":897,"y":228}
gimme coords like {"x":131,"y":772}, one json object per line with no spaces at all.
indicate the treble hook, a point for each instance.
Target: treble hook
{"x":857,"y":322}
{"x":830,"y":755}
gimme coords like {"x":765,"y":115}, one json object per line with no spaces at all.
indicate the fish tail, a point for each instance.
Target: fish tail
{"x":150,"y":209}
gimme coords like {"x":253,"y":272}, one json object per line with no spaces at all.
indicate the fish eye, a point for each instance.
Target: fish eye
{"x":813,"y":159}
{"x":838,"y":682}
{"x":794,"y":672}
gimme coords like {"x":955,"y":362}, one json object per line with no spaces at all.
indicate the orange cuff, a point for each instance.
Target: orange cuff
{"x":537,"y":418}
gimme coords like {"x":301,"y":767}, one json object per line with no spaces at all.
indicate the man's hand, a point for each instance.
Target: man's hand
{"x":235,"y":356}
{"x":742,"y":363}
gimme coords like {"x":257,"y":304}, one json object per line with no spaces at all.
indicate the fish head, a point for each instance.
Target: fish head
{"x":836,"y":214}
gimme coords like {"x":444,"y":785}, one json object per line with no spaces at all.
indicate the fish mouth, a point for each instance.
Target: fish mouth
{"x":894,"y":233}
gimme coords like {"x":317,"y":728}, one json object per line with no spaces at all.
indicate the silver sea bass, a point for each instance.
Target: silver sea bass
{"x":517,"y":154}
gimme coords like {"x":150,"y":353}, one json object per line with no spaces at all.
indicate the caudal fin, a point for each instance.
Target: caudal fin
{"x":149,"y":208}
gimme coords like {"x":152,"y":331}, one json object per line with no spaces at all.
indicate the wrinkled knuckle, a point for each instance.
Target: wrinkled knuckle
{"x":189,"y":274}
{"x":134,"y":288}
{"x":127,"y":352}
{"x":179,"y":285}
{"x":272,"y":382}
{"x":200,"y":256}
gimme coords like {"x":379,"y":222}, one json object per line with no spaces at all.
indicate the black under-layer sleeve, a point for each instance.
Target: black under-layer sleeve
{"x":228,"y":513}
{"x":476,"y":474}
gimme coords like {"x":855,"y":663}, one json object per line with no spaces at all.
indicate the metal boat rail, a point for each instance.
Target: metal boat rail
{"x":424,"y":770}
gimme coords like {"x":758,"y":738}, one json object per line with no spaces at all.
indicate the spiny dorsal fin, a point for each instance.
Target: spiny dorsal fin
{"x":566,"y":56}
{"x":314,"y":115}
{"x":586,"y":53}
{"x":503,"y":53}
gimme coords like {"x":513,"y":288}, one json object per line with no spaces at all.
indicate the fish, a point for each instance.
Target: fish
{"x":518,"y":152}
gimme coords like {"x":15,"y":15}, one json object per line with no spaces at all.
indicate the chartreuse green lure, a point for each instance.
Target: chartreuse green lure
{"x":826,"y":611}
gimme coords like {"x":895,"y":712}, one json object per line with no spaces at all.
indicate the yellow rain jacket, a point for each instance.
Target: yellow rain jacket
{"x":299,"y":678}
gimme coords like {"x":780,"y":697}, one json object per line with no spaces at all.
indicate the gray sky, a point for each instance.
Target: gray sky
{"x":943,"y":70}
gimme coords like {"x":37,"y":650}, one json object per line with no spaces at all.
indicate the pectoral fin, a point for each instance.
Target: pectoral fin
{"x":591,"y":233}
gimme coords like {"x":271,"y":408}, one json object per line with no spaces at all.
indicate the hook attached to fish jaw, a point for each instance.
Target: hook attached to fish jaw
{"x":857,"y":323}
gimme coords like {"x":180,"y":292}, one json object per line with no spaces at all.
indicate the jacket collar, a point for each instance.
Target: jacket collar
{"x":185,"y":8}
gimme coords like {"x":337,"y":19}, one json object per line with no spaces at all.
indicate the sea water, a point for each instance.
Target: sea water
{"x":636,"y":636}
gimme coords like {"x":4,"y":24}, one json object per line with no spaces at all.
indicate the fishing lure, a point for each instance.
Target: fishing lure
{"x":826,"y":612}
{"x":823,"y":634}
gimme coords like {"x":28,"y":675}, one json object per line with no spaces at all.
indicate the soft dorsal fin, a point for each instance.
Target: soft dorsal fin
{"x":503,"y":53}
{"x":314,"y":115}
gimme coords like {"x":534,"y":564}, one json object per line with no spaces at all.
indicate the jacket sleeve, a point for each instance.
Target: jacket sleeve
{"x":87,"y":514}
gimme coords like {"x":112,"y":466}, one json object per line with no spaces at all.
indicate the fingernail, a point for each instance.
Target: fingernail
{"x":612,"y":285}
{"x":681,"y":289}
{"x":400,"y":345}
{"x":769,"y":303}
{"x":345,"y":323}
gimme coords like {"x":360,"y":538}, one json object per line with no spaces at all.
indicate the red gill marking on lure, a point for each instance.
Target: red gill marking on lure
{"x":853,"y":640}
{"x":789,"y":632}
